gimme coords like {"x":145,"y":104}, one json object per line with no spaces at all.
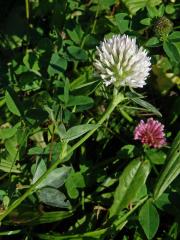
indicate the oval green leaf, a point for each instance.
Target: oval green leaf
{"x":53,"y":197}
{"x":78,"y":131}
{"x":78,"y":53}
{"x":149,"y":219}
{"x":130,"y":182}
{"x":12,"y":102}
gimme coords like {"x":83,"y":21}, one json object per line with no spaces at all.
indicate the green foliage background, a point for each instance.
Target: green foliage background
{"x":110,"y":187}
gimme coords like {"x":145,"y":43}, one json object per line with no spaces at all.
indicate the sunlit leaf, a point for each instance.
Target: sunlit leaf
{"x":130,"y":182}
{"x":12,"y":102}
{"x":135,"y":5}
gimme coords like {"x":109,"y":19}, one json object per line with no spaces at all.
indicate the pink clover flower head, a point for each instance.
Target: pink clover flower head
{"x":150,"y":133}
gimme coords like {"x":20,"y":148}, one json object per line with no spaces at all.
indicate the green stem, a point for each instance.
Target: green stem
{"x":27,"y":9}
{"x":120,"y":223}
{"x":115,"y":101}
{"x":95,"y":20}
{"x":125,"y":216}
{"x":155,"y":169}
{"x":126,"y":115}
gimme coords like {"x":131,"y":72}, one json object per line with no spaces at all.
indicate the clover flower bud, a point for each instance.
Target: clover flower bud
{"x":163,"y":26}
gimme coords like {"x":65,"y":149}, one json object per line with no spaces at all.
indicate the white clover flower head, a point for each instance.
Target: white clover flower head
{"x":121,"y":62}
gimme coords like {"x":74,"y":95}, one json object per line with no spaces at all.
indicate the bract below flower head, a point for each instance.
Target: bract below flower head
{"x":121,"y":62}
{"x":150,"y":133}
